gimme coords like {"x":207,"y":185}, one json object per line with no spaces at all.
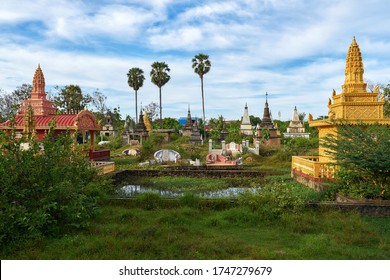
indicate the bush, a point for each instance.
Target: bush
{"x":44,"y":192}
{"x":274,"y":199}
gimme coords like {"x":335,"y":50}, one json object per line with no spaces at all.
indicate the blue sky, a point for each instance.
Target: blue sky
{"x":293,"y":49}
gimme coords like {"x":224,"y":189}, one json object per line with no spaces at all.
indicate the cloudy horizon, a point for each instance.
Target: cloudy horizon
{"x":294,"y":49}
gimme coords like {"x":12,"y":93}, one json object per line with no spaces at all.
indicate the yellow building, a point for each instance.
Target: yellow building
{"x":354,"y":105}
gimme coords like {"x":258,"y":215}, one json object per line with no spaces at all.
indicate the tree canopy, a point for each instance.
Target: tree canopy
{"x":362,"y":151}
{"x":70,"y":99}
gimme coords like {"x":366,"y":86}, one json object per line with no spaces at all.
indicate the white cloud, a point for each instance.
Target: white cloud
{"x":295,"y":50}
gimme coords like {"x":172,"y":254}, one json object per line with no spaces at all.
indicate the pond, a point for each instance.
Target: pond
{"x":134,"y":190}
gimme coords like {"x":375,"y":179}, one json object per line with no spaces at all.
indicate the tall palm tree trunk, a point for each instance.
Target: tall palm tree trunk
{"x":204,"y":118}
{"x":136,"y":108}
{"x":161,"y":120}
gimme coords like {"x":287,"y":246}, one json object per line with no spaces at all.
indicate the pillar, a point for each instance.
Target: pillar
{"x":210,"y":145}
{"x":92,"y":133}
{"x":223,"y":145}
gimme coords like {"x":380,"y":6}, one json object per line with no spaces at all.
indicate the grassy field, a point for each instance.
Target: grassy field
{"x":125,"y":231}
{"x":256,"y":227}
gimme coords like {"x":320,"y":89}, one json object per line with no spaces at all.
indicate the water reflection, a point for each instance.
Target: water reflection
{"x":134,"y":190}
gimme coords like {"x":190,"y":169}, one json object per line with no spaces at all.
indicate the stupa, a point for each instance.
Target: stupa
{"x":188,"y":126}
{"x":354,"y":105}
{"x":267,"y":126}
{"x":296,"y":128}
{"x":246,"y":127}
{"x":108,"y":129}
{"x":195,"y":137}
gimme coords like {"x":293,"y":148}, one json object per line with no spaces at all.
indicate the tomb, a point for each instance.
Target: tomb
{"x":166,"y":156}
{"x":195,"y":138}
{"x":188,"y":126}
{"x":296,"y":128}
{"x":266,"y":132}
{"x":246,"y":127}
{"x":108,"y":129}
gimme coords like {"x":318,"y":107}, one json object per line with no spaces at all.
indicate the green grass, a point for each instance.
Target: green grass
{"x":124,"y":231}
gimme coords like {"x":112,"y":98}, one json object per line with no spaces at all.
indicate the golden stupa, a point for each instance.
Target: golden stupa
{"x":354,"y":105}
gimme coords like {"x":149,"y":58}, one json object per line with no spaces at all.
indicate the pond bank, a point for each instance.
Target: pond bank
{"x":197,"y":173}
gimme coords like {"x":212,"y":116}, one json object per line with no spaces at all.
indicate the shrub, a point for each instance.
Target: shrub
{"x":44,"y":192}
{"x":273,"y":199}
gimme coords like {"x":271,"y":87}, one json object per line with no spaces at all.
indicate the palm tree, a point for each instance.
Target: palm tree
{"x":136,"y":81}
{"x":160,"y":77}
{"x":201,"y":65}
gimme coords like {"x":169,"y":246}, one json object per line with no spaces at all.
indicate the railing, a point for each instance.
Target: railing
{"x":103,"y":167}
{"x":310,"y":166}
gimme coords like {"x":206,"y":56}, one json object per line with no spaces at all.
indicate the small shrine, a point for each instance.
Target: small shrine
{"x":267,"y":132}
{"x":37,"y":113}
{"x":195,"y":137}
{"x":108,"y":129}
{"x":246,"y":126}
{"x":354,"y":105}
{"x":128,"y":130}
{"x":296,"y":128}
{"x":224,"y":132}
{"x":140,"y":132}
{"x":188,"y":126}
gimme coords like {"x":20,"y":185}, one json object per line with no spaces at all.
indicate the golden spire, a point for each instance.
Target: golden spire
{"x":29,"y":122}
{"x":38,"y":84}
{"x":147,"y":122}
{"x":354,"y":70}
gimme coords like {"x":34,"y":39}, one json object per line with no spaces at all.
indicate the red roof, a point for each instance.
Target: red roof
{"x":83,"y":120}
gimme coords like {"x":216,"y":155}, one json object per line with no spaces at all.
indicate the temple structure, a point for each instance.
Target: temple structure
{"x":108,"y":129}
{"x":296,"y":128}
{"x":354,"y":105}
{"x":246,"y":127}
{"x":224,"y":132}
{"x":267,"y":132}
{"x":36,"y":115}
{"x":195,"y":137}
{"x":188,"y":126}
{"x":140,"y":132}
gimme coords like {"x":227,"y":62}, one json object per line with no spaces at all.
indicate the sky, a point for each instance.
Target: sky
{"x":293,"y":49}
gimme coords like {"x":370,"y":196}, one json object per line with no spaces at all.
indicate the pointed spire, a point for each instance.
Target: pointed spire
{"x":354,"y":70}
{"x":38,"y":90}
{"x":245,"y":117}
{"x":266,"y":121}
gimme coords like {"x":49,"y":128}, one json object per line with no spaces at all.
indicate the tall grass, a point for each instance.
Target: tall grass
{"x":187,"y":232}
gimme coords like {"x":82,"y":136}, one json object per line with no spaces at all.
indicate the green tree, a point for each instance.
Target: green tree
{"x":201,"y":65}
{"x":362,"y":151}
{"x":70,"y":99}
{"x":254,"y":120}
{"x":99,"y":102}
{"x":159,"y":76}
{"x":136,"y":81}
{"x":10,"y":102}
